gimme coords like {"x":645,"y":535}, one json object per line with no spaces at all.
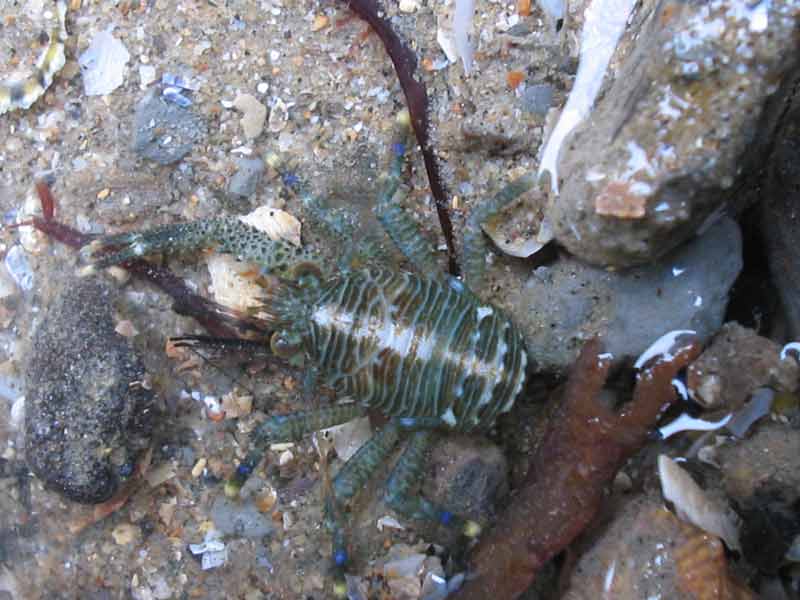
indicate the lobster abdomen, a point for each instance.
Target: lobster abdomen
{"x":411,"y":346}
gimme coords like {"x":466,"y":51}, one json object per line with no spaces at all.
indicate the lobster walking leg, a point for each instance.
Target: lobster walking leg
{"x":287,"y":428}
{"x":475,"y":244}
{"x":226,"y":235}
{"x":348,"y":482}
{"x":405,"y":475}
{"x":399,"y":225}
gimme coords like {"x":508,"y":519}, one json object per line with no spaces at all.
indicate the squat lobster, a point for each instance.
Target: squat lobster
{"x":421,"y":348}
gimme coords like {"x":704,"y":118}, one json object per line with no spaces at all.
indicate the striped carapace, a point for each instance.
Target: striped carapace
{"x":412,"y":346}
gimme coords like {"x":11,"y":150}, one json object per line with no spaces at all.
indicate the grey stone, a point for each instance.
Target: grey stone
{"x":85,"y":422}
{"x":537,"y":99}
{"x":561,"y":306}
{"x":470,"y":476}
{"x":165,"y":132}
{"x":245,"y":181}
{"x":241,"y":519}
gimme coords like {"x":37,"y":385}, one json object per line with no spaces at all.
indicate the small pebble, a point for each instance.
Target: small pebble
{"x":19,"y":268}
{"x":163,"y":131}
{"x":285,"y":458}
{"x":389,"y":522}
{"x":409,"y":6}
{"x":124,"y":533}
{"x":253,"y":114}
{"x":537,"y":99}
{"x":266,"y":501}
{"x":147,"y":75}
{"x":126,"y":329}
{"x":199,"y":467}
{"x":320,"y":22}
{"x":244,"y":182}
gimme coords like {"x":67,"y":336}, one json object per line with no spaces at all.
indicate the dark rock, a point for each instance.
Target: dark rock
{"x":561,"y":306}
{"x":470,"y":476}
{"x":86,"y":420}
{"x":165,"y":132}
{"x":768,"y":456}
{"x":246,"y":179}
{"x":770,"y":522}
{"x":737,"y":362}
{"x":781,"y":220}
{"x":687,"y":112}
{"x":761,"y":478}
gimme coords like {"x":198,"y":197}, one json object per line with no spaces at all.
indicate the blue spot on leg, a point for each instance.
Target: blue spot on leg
{"x":399,"y":148}
{"x":340,"y":558}
{"x":290,"y":179}
{"x":446,"y":517}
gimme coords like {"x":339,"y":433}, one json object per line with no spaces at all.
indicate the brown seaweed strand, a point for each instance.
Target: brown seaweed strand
{"x":405,"y":65}
{"x":217,"y":319}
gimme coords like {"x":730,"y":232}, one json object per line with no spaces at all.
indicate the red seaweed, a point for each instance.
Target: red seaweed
{"x":47,"y":200}
{"x":405,"y":65}
{"x":584,"y":447}
{"x":217,"y":319}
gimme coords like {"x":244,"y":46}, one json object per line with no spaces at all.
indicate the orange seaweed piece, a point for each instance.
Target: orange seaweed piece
{"x":514,"y":78}
{"x":583,"y":448}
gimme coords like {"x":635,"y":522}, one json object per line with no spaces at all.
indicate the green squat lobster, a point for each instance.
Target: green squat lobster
{"x":421,"y":347}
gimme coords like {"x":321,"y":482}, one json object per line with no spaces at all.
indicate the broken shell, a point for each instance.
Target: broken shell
{"x":126,"y":329}
{"x":520,"y":230}
{"x":236,"y":404}
{"x":390,"y":523}
{"x":265,"y":501}
{"x":694,"y":505}
{"x":285,"y":458}
{"x":278,"y":116}
{"x":348,"y":437}
{"x":277,"y":224}
{"x":199,"y":467}
{"x":229,"y":284}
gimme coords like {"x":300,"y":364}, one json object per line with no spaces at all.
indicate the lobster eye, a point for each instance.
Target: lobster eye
{"x":284,"y":344}
{"x":305,"y":272}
